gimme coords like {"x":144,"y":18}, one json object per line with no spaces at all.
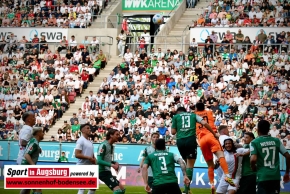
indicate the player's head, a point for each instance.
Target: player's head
{"x":154,"y":137}
{"x":263,"y":127}
{"x":113,"y":135}
{"x":160,"y":144}
{"x":223,"y":130}
{"x":180,"y":109}
{"x":38,"y":133}
{"x":199,"y":106}
{"x":29,"y":118}
{"x":248,"y":137}
{"x":229,"y":145}
{"x":85,"y":129}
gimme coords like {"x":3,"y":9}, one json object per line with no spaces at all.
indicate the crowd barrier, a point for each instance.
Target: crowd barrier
{"x":126,"y":154}
{"x":200,"y":33}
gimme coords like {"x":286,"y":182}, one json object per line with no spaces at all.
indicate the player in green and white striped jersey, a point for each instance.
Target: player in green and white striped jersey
{"x":31,"y":154}
{"x":149,"y":150}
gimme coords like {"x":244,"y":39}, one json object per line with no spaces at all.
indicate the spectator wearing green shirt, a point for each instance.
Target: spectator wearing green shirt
{"x":137,"y":135}
{"x":62,"y":158}
{"x":75,"y":128}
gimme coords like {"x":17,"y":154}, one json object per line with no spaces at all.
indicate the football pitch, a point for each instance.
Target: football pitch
{"x":102,"y":189}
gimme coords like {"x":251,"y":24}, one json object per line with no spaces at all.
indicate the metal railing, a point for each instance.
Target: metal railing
{"x":179,"y":43}
{"x":105,"y":43}
{"x":106,"y":21}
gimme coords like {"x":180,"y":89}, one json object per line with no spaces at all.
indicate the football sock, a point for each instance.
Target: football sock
{"x":91,"y":192}
{"x":119,"y":191}
{"x":124,"y":190}
{"x":81,"y":191}
{"x":37,"y":192}
{"x":224,"y":165}
{"x":211,"y":175}
{"x":189,"y":172}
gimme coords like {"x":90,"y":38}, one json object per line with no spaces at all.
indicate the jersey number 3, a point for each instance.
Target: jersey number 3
{"x":163,"y":162}
{"x":185,"y":121}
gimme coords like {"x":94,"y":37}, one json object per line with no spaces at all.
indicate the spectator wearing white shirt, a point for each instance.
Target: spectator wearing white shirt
{"x":252,"y":13}
{"x":147,"y":39}
{"x":128,"y":56}
{"x":73,"y":44}
{"x":274,"y":132}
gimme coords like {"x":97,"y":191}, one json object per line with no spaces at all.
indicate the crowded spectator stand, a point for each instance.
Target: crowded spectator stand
{"x":240,"y":80}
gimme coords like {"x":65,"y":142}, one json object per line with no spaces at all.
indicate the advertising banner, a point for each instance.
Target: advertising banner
{"x":200,"y":34}
{"x":128,"y":154}
{"x":127,"y":175}
{"x":51,"y":177}
{"x":149,"y":5}
{"x":51,"y":34}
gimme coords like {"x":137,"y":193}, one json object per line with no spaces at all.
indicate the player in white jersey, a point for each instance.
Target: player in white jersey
{"x":234,"y":163}
{"x":25,"y":134}
{"x":84,"y":151}
{"x":149,"y":150}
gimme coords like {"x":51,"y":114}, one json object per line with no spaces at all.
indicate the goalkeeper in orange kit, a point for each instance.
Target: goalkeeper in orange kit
{"x":209,"y":145}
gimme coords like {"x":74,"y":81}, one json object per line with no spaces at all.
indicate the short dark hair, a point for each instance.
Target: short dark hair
{"x":250,"y":134}
{"x":84,"y":125}
{"x":160,"y":144}
{"x":26,"y":115}
{"x":110,"y":132}
{"x":222,"y":127}
{"x":181,"y":109}
{"x":199,"y":106}
{"x":264,"y":127}
{"x":155,"y":134}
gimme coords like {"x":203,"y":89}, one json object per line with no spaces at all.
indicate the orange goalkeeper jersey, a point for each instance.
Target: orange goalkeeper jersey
{"x":207,"y":116}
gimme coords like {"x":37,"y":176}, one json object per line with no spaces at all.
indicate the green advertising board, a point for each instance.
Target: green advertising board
{"x":149,"y":5}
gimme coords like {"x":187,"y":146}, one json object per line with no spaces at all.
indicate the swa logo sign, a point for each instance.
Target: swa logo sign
{"x":203,"y":34}
{"x":32,"y":34}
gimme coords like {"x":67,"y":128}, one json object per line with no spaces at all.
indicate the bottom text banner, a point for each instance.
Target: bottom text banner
{"x":51,"y":177}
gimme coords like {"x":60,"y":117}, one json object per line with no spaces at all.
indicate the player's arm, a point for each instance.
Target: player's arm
{"x":29,"y":151}
{"x":254,"y":157}
{"x":145,"y":154}
{"x":145,"y":173}
{"x":174,"y":126}
{"x":285,"y":153}
{"x":24,"y":140}
{"x":80,"y":155}
{"x":101,"y":156}
{"x":182,"y":164}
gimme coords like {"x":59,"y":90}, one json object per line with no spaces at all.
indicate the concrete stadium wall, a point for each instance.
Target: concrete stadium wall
{"x":161,"y":36}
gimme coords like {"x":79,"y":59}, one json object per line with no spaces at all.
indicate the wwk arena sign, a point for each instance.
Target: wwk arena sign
{"x":51,"y":34}
{"x":51,"y":177}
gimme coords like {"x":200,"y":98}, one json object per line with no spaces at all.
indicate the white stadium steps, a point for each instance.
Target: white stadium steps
{"x":93,"y":86}
{"x":187,"y":18}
